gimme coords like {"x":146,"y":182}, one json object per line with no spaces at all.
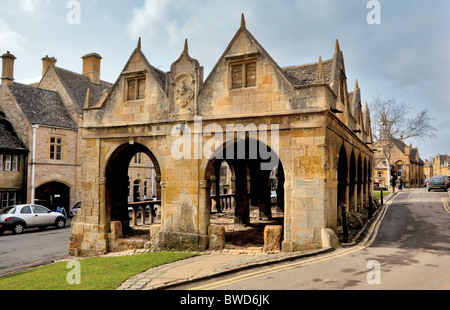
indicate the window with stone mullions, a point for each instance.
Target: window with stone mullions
{"x":243,"y":75}
{"x":56,"y":148}
{"x":136,"y":88}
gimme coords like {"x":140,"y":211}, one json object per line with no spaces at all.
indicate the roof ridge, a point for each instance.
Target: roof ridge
{"x":81,"y":75}
{"x":308,"y":64}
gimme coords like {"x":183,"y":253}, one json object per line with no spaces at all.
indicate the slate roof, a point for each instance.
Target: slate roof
{"x":42,"y":107}
{"x":8,"y":137}
{"x":77,"y":85}
{"x":307,"y":74}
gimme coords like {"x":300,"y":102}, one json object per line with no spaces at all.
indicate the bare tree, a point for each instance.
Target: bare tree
{"x":390,"y":122}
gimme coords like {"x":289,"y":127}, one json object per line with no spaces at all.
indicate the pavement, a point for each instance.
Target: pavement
{"x":206,"y":265}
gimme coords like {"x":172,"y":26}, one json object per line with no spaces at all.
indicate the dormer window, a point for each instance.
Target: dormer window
{"x":135,"y":88}
{"x":243,"y":75}
{"x":242,"y":71}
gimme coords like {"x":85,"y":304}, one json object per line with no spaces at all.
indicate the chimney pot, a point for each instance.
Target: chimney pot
{"x":47,"y":62}
{"x":91,"y":67}
{"x":8,"y":68}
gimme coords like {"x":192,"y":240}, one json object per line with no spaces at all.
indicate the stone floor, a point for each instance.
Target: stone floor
{"x":244,"y":238}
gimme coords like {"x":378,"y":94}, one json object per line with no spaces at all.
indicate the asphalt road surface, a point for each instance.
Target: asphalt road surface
{"x":409,"y":249}
{"x":32,"y":248}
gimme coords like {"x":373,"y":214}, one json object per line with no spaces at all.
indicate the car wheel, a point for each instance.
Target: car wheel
{"x":60,"y":223}
{"x":18,"y":228}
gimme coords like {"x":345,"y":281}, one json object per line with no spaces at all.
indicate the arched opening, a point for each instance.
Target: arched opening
{"x":125,"y":189}
{"x":53,"y":195}
{"x":352,"y":183}
{"x":342,"y":171}
{"x":255,"y":194}
{"x":359,"y":185}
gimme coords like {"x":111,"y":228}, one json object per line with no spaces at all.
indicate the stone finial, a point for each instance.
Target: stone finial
{"x":186,"y":47}
{"x":320,"y":72}
{"x":243,"y":25}
{"x":139,"y":44}
{"x":356,"y":84}
{"x":337,"y":48}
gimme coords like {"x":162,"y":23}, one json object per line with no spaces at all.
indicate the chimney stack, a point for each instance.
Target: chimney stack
{"x":91,"y":67}
{"x":47,"y":62}
{"x":8,"y":68}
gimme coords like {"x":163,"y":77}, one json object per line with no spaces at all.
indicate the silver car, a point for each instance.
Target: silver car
{"x":19,"y":217}
{"x":437,"y":182}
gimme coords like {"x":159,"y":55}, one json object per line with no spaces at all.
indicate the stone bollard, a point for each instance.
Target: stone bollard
{"x":216,"y":237}
{"x":272,"y":238}
{"x":116,"y":230}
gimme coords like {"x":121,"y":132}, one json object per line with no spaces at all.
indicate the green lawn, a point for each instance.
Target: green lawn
{"x":97,"y":273}
{"x":377,"y":194}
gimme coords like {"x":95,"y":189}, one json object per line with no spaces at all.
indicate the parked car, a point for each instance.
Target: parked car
{"x":75,"y":210}
{"x":446,"y":179}
{"x":19,"y":217}
{"x":437,"y":182}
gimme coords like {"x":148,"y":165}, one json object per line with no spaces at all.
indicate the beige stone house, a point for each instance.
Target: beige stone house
{"x":248,"y":112}
{"x":405,"y":163}
{"x":13,"y":165}
{"x":441,"y":164}
{"x":46,"y":117}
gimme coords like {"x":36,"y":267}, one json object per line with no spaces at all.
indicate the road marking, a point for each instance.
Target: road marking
{"x":368,"y":240}
{"x":446,"y":205}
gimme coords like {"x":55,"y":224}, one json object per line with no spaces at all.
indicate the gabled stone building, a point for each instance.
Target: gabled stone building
{"x":13,"y":165}
{"x":46,"y":117}
{"x":300,"y":121}
{"x":441,"y":165}
{"x":405,"y":163}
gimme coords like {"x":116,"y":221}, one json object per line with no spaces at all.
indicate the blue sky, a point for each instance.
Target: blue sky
{"x":405,"y":57}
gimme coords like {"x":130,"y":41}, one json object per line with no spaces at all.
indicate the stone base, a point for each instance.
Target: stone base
{"x":88,"y":240}
{"x":216,"y":237}
{"x":182,"y":241}
{"x":287,"y":246}
{"x":272,"y":238}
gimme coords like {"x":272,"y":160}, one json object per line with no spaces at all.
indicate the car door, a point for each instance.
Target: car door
{"x":27,"y":215}
{"x":42,"y":216}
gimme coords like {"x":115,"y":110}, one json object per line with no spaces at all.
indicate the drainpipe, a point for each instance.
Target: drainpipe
{"x":33,"y":161}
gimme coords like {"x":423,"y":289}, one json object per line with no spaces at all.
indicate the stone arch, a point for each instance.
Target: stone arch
{"x":116,"y":181}
{"x":248,"y":173}
{"x":352,"y":183}
{"x":53,"y":194}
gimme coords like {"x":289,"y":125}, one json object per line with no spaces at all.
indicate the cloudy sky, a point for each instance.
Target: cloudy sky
{"x":405,"y":57}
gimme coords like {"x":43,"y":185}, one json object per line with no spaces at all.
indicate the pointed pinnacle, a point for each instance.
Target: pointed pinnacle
{"x":320,"y":72}
{"x":186,"y":48}
{"x":337,"y":48}
{"x":139,"y":44}
{"x":356,"y":84}
{"x":243,"y":25}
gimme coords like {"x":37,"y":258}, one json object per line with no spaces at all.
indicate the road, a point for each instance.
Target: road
{"x":32,"y":248}
{"x":409,"y":249}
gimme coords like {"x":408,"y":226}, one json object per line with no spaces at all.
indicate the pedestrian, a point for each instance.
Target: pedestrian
{"x":393,"y":184}
{"x":399,"y":183}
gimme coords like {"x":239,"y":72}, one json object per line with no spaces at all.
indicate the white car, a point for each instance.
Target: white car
{"x":19,"y":217}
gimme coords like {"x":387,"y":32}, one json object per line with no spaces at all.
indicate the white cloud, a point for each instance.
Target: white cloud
{"x":31,"y":6}
{"x":10,"y":39}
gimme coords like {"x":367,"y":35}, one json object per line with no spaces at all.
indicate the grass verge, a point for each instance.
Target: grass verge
{"x":377,"y":194}
{"x":97,"y":273}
